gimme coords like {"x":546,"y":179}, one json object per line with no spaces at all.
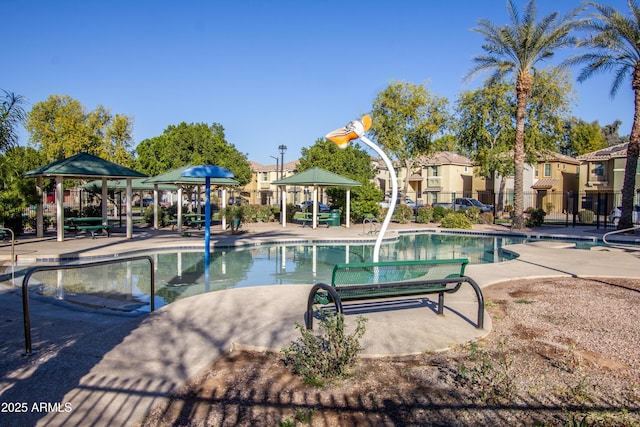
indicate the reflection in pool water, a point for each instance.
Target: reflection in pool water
{"x":180,"y":274}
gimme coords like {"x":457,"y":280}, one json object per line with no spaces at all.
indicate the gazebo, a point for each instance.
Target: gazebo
{"x":317,"y":177}
{"x":81,"y":166}
{"x":175,"y":177}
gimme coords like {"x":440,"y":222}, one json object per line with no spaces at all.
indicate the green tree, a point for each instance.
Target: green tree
{"x":486,"y":122}
{"x":515,"y":49}
{"x":613,"y":44}
{"x":485,"y":129}
{"x":118,"y":141}
{"x":582,"y":138}
{"x":407,"y":119}
{"x":611,"y":134}
{"x":17,"y":192}
{"x":351,"y":162}
{"x":61,"y":127}
{"x":195,"y":144}
{"x":12,"y":115}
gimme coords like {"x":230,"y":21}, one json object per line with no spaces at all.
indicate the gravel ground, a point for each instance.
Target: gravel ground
{"x":560,"y":350}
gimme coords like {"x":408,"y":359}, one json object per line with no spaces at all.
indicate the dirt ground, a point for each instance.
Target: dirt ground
{"x":561,"y":352}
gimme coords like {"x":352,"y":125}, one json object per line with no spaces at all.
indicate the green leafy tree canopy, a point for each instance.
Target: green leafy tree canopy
{"x":61,"y":127}
{"x":195,"y":144}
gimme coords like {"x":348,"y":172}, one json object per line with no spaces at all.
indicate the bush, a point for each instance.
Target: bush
{"x":403,"y":214}
{"x":328,"y":356}
{"x":456,"y":220}
{"x":425,"y":215}
{"x":92,"y":211}
{"x":440,"y":212}
{"x":486,"y":218}
{"x":473,"y":214}
{"x":586,"y":216}
{"x":536,"y":217}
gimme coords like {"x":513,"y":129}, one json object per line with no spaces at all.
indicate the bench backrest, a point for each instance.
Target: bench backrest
{"x":397,"y":271}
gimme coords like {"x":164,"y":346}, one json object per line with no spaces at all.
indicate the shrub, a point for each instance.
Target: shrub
{"x":586,"y":216}
{"x":473,"y":214}
{"x":486,"y":218}
{"x":456,"y":220}
{"x":425,"y":215}
{"x":327,"y":356}
{"x":536,"y":217}
{"x":403,"y":214}
{"x":92,"y":210}
{"x":440,"y":212}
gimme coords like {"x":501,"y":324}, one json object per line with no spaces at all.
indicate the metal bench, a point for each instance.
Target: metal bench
{"x":376,"y":280}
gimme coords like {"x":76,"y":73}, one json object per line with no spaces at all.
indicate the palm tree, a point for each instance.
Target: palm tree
{"x":515,"y":49}
{"x":614,"y":45}
{"x":11,"y":115}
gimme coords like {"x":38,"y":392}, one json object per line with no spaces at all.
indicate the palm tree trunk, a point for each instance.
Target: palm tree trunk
{"x":629,"y":184}
{"x":522,"y":90}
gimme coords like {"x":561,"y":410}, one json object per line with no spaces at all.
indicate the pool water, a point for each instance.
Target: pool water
{"x":183,"y":273}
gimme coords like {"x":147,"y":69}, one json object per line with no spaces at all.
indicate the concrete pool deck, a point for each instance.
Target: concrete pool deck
{"x":96,"y":369}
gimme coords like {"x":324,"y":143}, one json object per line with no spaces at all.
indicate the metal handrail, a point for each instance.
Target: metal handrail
{"x":604,"y":237}
{"x":13,"y":252}
{"x":25,"y":288}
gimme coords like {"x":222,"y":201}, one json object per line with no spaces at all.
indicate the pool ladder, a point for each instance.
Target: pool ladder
{"x":374,"y":226}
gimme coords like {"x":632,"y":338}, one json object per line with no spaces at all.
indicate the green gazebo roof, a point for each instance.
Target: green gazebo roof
{"x":84,"y":165}
{"x":318,"y":176}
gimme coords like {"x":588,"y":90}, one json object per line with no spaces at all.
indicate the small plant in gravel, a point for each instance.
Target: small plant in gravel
{"x":302,"y":416}
{"x":491,"y":376}
{"x":327,"y":356}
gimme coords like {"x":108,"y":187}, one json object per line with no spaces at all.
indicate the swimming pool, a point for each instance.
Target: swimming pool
{"x":183,"y":273}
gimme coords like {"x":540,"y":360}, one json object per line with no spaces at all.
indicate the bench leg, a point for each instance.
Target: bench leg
{"x":441,"y":303}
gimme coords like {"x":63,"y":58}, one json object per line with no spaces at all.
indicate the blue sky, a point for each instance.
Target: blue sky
{"x":270,"y":72}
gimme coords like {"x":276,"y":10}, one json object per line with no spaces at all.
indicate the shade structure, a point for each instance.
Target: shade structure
{"x":82,"y":166}
{"x":208,"y":172}
{"x":175,"y":177}
{"x":317,"y":177}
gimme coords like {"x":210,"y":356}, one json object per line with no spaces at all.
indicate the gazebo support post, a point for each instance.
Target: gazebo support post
{"x":156,"y":205}
{"x":179,"y":219}
{"x":283,"y":205}
{"x":105,"y":200}
{"x":223,"y":218}
{"x":39,"y":211}
{"x":347,"y":218}
{"x":59,"y":209}
{"x":129,"y":208}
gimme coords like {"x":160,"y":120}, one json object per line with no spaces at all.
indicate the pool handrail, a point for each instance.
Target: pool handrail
{"x":624,"y":230}
{"x":25,"y":288}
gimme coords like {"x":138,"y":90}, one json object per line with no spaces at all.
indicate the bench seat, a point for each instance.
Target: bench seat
{"x":363,"y":281}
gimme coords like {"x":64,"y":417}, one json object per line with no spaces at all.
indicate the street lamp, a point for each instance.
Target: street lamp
{"x":277,"y":198}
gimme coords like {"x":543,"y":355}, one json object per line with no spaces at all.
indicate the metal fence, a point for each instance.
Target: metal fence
{"x":560,"y":207}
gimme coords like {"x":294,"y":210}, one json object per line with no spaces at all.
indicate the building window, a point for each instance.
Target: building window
{"x":434,"y":171}
{"x":265,"y":176}
{"x":598,"y":169}
{"x":547,"y":169}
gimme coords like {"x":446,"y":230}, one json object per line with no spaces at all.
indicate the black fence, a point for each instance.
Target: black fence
{"x":565,"y":208}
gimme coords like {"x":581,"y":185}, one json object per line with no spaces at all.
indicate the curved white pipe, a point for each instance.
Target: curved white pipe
{"x":392,"y":201}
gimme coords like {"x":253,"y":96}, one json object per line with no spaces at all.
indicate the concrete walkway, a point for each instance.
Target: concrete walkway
{"x":97,"y":369}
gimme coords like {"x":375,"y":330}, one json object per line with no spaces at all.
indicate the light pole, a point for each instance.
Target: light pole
{"x":277,"y":198}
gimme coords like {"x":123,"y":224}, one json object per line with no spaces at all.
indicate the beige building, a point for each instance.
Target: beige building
{"x":602,"y":171}
{"x":438,"y":177}
{"x":555,"y":175}
{"x":260,"y":191}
